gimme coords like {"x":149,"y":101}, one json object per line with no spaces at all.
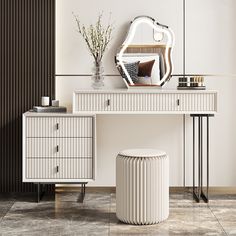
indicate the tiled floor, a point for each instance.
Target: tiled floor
{"x":64,"y":215}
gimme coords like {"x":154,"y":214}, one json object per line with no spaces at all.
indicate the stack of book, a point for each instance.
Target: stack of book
{"x":196,"y":82}
{"x":48,"y":109}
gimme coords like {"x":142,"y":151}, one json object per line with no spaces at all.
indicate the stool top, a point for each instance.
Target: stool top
{"x":142,"y":153}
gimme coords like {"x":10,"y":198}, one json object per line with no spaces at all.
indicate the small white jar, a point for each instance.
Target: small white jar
{"x":45,"y":101}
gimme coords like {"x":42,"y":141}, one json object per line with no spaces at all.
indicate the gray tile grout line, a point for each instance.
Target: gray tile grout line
{"x":217,"y":220}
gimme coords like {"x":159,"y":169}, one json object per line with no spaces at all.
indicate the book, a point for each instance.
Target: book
{"x":49,"y":109}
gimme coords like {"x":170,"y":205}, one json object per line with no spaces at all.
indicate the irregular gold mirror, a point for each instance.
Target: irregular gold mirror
{"x":144,"y":58}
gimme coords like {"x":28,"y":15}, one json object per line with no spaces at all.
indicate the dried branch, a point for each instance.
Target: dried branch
{"x":97,"y":36}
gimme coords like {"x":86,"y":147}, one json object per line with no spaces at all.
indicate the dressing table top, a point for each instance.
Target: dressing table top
{"x":145,"y":91}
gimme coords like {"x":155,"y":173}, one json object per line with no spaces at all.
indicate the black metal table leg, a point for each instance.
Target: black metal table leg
{"x":193,"y":156}
{"x":39,"y":192}
{"x":205,"y":197}
{"x":198,"y":192}
{"x":199,"y":158}
{"x":82,"y":193}
{"x":195,"y":196}
{"x":208,"y":157}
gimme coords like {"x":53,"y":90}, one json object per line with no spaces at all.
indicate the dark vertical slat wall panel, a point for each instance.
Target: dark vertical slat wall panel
{"x":27,"y":68}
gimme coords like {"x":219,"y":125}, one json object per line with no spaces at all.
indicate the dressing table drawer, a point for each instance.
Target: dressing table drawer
{"x":149,"y":102}
{"x":127,"y":102}
{"x":198,"y":102}
{"x":52,"y":168}
{"x":59,"y":147}
{"x":59,"y":127}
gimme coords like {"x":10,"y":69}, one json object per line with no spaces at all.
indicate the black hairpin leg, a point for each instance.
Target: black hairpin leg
{"x":205,"y":196}
{"x":198,"y":192}
{"x":39,"y":192}
{"x":82,"y":192}
{"x":195,"y":196}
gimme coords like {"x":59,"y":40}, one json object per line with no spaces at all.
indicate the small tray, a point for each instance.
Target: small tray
{"x":49,"y":109}
{"x":192,"y":88}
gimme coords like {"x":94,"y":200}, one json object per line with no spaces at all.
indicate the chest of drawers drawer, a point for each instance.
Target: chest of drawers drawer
{"x":59,"y":127}
{"x":51,"y":168}
{"x":59,"y":147}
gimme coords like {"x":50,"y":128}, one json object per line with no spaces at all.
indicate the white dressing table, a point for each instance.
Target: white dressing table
{"x":199,"y":104}
{"x":61,"y":148}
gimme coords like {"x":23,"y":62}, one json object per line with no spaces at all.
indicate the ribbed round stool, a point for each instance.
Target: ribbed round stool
{"x":142,"y":186}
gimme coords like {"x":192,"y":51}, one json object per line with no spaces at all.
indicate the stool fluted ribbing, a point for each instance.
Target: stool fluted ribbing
{"x":142,"y":186}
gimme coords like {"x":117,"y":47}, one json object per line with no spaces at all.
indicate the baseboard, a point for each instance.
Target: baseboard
{"x":212,"y":190}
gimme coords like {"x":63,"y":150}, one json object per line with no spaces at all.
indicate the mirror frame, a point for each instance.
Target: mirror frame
{"x":168,"y":52}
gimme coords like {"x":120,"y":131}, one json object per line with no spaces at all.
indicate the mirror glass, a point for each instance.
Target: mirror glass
{"x":144,"y":58}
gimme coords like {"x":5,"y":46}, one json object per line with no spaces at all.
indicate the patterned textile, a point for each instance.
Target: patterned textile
{"x":132,"y":69}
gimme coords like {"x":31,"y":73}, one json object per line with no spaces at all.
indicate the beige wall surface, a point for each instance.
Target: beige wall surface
{"x":211,"y":19}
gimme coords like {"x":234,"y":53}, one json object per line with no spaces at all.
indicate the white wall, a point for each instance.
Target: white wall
{"x":71,"y":52}
{"x":163,"y":132}
{"x":222,"y":135}
{"x":211,"y":49}
{"x":210,"y":36}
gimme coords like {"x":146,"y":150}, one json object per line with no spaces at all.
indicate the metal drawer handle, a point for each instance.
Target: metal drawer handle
{"x":178,"y":102}
{"x":108,"y":102}
{"x":57,"y":148}
{"x":57,"y":125}
{"x":57,"y":169}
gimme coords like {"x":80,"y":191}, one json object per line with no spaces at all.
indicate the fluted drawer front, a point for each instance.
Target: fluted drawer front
{"x":59,"y":147}
{"x":198,"y":102}
{"x":59,"y":127}
{"x":145,"y":102}
{"x":142,"y":189}
{"x":52,"y":168}
{"x":126,"y":102}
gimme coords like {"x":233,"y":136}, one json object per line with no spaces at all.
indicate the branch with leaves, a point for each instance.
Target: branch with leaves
{"x":97,"y":36}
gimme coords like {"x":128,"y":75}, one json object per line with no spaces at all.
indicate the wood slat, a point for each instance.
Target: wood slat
{"x":27,"y":68}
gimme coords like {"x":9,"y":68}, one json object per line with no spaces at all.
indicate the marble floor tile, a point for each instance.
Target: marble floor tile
{"x":225,"y":214}
{"x":229,"y":227}
{"x":58,"y":218}
{"x":180,"y":222}
{"x":186,"y":218}
{"x":169,"y":227}
{"x":224,"y":208}
{"x":5,"y":206}
{"x":64,"y":215}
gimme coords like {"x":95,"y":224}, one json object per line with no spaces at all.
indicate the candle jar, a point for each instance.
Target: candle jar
{"x":45,"y":101}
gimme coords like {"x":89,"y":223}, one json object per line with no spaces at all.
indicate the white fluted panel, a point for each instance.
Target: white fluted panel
{"x":59,"y":147}
{"x":59,"y":127}
{"x":198,"y":102}
{"x":145,"y":102}
{"x":53,"y":168}
{"x":142,"y":189}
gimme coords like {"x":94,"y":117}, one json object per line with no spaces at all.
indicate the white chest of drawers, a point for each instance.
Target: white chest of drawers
{"x":145,"y":101}
{"x":58,"y":147}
